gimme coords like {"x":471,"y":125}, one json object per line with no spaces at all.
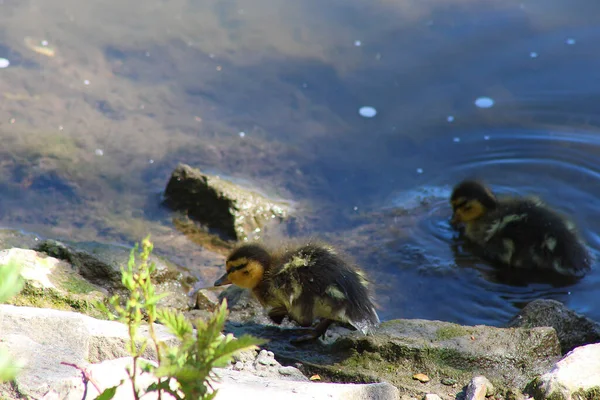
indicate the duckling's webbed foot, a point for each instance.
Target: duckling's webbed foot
{"x":314,"y":333}
{"x":277,"y":315}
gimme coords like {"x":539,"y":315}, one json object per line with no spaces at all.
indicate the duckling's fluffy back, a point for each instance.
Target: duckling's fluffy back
{"x":532,"y":233}
{"x":313,"y":281}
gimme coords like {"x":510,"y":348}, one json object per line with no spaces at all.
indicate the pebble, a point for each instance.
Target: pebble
{"x":238,"y":366}
{"x":431,"y":396}
{"x":421,"y":378}
{"x":206,"y":300}
{"x":448,"y":381}
{"x":266,"y":358}
{"x":4,"y":63}
{"x":479,"y":388}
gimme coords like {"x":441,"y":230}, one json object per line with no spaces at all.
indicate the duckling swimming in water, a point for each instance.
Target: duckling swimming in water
{"x":304,"y":283}
{"x":521,"y":232}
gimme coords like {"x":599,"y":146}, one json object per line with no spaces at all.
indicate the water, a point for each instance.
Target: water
{"x":101,"y":100}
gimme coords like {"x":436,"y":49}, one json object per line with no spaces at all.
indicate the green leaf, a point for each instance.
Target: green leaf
{"x":108,"y":393}
{"x":176,"y":322}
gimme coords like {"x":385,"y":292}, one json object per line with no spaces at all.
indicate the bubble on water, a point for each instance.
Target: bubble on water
{"x":450,"y":118}
{"x":357,"y":43}
{"x":242,"y":134}
{"x":533,"y":54}
{"x":484,"y":102}
{"x":570,"y":41}
{"x":419,"y":170}
{"x":4,"y":63}
{"x":86,"y":82}
{"x":367,"y":112}
{"x":99,"y":152}
{"x":456,"y":140}
{"x":44,"y":43}
{"x":486,"y":137}
{"x":150,"y":161}
{"x":355,"y":208}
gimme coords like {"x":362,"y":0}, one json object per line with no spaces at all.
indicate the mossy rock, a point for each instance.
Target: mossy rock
{"x":51,"y":283}
{"x":399,"y":349}
{"x":100,"y":264}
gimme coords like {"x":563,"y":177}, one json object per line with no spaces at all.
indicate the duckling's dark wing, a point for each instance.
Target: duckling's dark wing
{"x":323,"y":280}
{"x":543,"y":237}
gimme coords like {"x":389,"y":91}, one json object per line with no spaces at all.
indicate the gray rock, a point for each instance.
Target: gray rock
{"x":578,"y":373}
{"x":573,"y":329}
{"x":235,"y":212}
{"x":234,"y":385}
{"x":479,"y":388}
{"x":43,"y":338}
{"x":431,"y":396}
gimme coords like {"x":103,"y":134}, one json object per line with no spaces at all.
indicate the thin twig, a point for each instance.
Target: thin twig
{"x":87,"y":376}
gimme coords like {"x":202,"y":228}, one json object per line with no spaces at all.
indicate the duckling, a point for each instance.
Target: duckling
{"x":304,"y":283}
{"x":520,"y":232}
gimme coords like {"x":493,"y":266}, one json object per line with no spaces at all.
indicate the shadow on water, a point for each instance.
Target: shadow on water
{"x":271,"y":94}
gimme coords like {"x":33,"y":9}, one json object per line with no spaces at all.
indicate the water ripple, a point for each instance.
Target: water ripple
{"x":559,"y":166}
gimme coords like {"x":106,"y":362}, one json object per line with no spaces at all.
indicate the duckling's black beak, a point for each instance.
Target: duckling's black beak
{"x":224,"y":280}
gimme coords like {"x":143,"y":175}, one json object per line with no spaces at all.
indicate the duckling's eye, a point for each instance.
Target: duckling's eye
{"x":246,"y":272}
{"x":467,"y":208}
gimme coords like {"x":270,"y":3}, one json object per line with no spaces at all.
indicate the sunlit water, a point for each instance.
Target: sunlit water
{"x":367,"y":113}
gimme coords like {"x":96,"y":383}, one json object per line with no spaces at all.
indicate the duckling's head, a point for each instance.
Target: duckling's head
{"x":245,"y":266}
{"x":470,"y":200}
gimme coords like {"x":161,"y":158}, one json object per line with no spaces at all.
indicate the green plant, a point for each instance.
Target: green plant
{"x":188,"y":364}
{"x":10,"y":284}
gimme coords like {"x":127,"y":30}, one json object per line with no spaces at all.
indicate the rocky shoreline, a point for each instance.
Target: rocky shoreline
{"x":545,"y":352}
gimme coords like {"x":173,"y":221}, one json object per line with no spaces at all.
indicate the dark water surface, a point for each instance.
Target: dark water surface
{"x":94,"y":119}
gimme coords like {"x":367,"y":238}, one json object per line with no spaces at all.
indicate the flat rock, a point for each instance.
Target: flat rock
{"x":234,"y":212}
{"x":231,"y":385}
{"x":573,"y":329}
{"x":43,"y":338}
{"x":577,"y":373}
{"x":398,"y":349}
{"x":235,"y":385}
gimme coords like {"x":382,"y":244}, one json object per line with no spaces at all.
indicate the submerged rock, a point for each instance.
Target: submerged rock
{"x":234,"y":212}
{"x":577,"y":375}
{"x":572,"y":329}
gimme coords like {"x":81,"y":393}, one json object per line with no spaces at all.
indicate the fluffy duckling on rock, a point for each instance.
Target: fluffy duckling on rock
{"x":304,"y":283}
{"x":520,"y":232}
